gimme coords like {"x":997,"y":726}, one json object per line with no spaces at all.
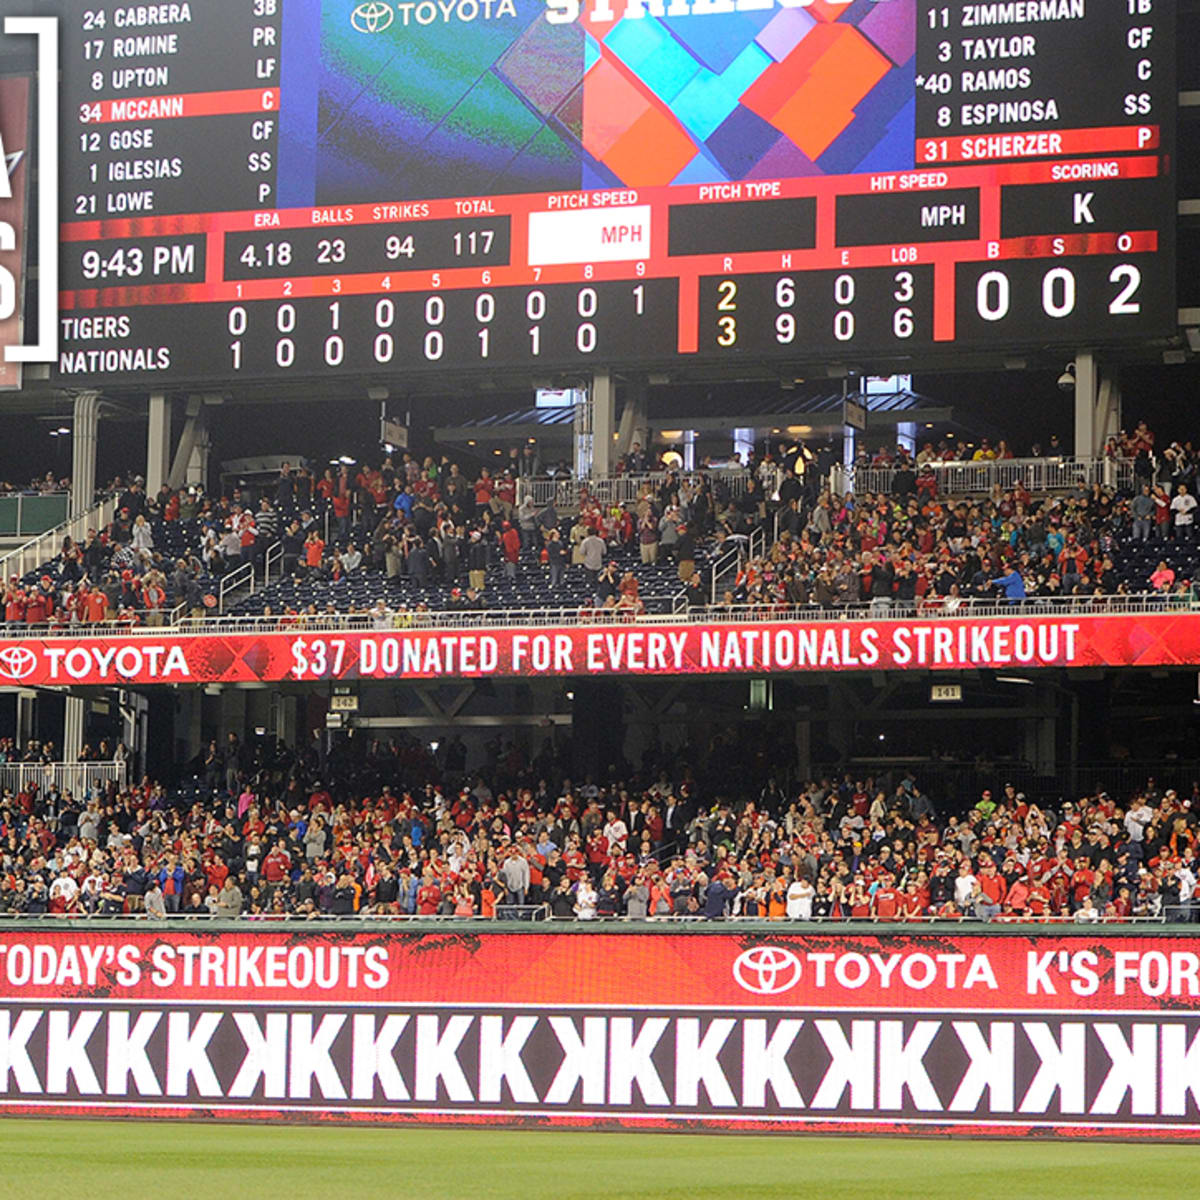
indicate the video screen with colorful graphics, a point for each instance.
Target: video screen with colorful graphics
{"x":421,"y":186}
{"x":518,"y":96}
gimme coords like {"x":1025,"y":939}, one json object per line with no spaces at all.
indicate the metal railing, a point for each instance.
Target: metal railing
{"x":978,"y":478}
{"x":730,"y":563}
{"x":273,"y":563}
{"x":538,"y":915}
{"x":48,"y":546}
{"x":568,"y":493}
{"x":76,"y":778}
{"x":1145,"y":604}
{"x":233,"y":582}
{"x":248,"y":578}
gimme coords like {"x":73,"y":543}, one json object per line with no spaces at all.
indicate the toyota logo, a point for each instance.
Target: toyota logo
{"x":17,"y":662}
{"x":766,"y":970}
{"x":372,"y":16}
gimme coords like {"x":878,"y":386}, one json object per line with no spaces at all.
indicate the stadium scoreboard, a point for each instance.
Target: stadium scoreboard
{"x":274,"y":189}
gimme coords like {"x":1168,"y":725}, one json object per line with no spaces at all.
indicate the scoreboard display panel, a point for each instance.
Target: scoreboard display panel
{"x":282,"y":189}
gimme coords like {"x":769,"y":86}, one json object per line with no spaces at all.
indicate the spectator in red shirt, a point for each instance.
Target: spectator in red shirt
{"x":314,"y":552}
{"x":95,"y":603}
{"x":1082,"y":881}
{"x":341,"y":511}
{"x":429,"y":895}
{"x":485,"y":485}
{"x":993,"y":883}
{"x":277,"y":866}
{"x":510,"y":548}
{"x":14,"y":602}
{"x":505,"y":498}
{"x":886,"y":901}
{"x":36,"y":608}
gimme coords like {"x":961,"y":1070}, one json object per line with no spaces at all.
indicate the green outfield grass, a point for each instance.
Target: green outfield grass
{"x":130,"y":1160}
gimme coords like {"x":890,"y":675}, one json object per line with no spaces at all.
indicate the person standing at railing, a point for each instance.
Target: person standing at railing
{"x":906,"y":585}
{"x":133,"y":499}
{"x":530,"y":462}
{"x":800,"y":896}
{"x":14,"y":603}
{"x":39,"y":603}
{"x":635,"y":462}
{"x":904,"y":482}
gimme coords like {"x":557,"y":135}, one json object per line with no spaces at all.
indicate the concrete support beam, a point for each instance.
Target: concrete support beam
{"x":582,"y":434}
{"x":1108,"y":406}
{"x":158,"y":443}
{"x":635,"y":422}
{"x":197,"y":467}
{"x":1087,"y":389}
{"x":1097,"y":404}
{"x":83,"y":451}
{"x":287,"y":720}
{"x":189,"y":722}
{"x":190,"y":464}
{"x":26,"y":716}
{"x":604,"y":423}
{"x":233,"y":714}
{"x":803,"y":749}
{"x":73,"y":728}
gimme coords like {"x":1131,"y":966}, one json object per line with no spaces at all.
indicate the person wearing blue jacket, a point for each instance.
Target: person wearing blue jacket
{"x":173,"y":895}
{"x":717,"y":898}
{"x":1012,"y":584}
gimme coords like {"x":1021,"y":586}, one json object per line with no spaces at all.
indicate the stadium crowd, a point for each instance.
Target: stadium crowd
{"x":40,"y":485}
{"x":916,"y":550}
{"x":398,"y":831}
{"x":450,"y":535}
{"x":424,"y":522}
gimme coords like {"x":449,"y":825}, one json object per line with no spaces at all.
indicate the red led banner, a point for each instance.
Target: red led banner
{"x":619,"y":648}
{"x":906,"y":1032}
